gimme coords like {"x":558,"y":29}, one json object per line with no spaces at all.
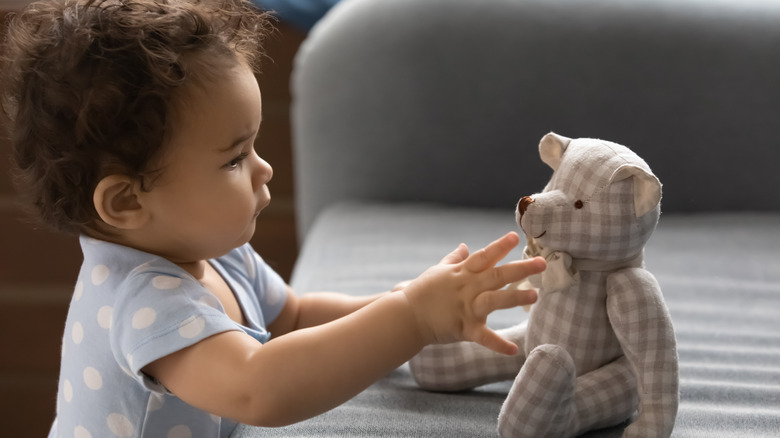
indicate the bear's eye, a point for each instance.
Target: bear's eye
{"x":578,"y":204}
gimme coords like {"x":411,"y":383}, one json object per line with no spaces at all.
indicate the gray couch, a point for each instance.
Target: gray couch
{"x":416,"y":125}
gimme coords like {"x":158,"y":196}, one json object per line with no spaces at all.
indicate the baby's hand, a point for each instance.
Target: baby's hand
{"x":451,"y":300}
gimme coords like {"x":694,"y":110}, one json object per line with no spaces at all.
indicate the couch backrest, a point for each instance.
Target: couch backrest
{"x":446,"y":100}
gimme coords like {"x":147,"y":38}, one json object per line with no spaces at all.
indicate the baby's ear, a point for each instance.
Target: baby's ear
{"x":117,"y":202}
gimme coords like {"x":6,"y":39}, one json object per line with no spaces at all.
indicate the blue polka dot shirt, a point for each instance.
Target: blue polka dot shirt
{"x":130,"y":308}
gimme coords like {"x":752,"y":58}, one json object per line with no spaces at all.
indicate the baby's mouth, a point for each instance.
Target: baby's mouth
{"x":539,"y":236}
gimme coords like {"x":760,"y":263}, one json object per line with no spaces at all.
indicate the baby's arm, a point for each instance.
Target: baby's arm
{"x":309,"y":371}
{"x":314,"y":309}
{"x":320,"y":307}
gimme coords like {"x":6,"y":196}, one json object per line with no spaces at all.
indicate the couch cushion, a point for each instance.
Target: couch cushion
{"x":720,"y":274}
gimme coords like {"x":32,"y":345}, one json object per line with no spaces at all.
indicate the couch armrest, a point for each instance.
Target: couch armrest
{"x":445,"y":100}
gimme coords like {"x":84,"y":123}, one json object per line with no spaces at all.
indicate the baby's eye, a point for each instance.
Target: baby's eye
{"x":236,"y":162}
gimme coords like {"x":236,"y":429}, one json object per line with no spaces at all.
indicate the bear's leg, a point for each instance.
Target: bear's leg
{"x":547,"y":400}
{"x":464,"y":365}
{"x":642,"y":324}
{"x":605,"y":397}
{"x":540,"y":402}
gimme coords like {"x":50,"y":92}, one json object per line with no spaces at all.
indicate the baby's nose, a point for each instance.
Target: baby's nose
{"x":523,"y":203}
{"x":263,"y":172}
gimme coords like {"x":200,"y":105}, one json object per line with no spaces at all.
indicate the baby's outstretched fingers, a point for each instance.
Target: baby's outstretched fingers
{"x":456,"y":256}
{"x":490,"y":339}
{"x":490,"y":301}
{"x":488,"y":256}
{"x":516,"y":271}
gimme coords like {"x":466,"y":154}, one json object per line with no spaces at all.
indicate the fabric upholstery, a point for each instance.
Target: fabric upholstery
{"x":392,"y":98}
{"x":719,"y":274}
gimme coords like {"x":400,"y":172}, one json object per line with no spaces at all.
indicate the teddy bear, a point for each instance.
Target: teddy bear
{"x":598,"y":346}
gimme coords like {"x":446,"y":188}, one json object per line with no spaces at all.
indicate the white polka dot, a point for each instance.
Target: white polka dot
{"x":105,"y":316}
{"x":191,"y":327}
{"x":81,"y":432}
{"x":120,"y":425}
{"x":92,"y":378}
{"x":165,"y":282}
{"x":77,"y":333}
{"x":100,"y":274}
{"x":143,"y":318}
{"x":67,"y":391}
{"x":180,"y":431}
{"x":156,"y":401}
{"x":78,"y":292}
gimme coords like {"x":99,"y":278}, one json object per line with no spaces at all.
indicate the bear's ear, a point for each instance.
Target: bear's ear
{"x":647,"y":188}
{"x":551,"y":149}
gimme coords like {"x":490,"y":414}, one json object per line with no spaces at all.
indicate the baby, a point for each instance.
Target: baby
{"x":133,"y":125}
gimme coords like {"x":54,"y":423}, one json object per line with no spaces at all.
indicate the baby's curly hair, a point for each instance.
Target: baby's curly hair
{"x":89,"y":89}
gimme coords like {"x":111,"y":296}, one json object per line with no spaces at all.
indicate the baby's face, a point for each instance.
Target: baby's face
{"x":213,"y":183}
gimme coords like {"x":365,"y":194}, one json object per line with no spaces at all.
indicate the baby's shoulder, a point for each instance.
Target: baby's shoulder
{"x":243,"y":261}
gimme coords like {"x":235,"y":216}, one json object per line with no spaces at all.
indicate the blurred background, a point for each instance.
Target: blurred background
{"x":38,"y":268}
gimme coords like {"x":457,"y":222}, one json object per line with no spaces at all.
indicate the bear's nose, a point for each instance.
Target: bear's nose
{"x":523,"y":203}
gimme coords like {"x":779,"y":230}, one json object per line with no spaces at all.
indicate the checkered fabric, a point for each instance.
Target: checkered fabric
{"x":602,"y":346}
{"x":540,"y":401}
{"x":576,"y":319}
{"x":465,"y":365}
{"x":549,"y":384}
{"x":604,"y":228}
{"x":642,"y":324}
{"x":605,"y":397}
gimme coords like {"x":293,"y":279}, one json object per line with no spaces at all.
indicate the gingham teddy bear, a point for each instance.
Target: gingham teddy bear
{"x":598,"y":345}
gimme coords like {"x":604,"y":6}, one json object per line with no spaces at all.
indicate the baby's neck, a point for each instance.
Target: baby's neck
{"x":197,"y":268}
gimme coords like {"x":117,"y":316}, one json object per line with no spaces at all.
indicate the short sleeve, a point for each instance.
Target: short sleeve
{"x":271,"y":289}
{"x":264,"y":287}
{"x":164,"y":311}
